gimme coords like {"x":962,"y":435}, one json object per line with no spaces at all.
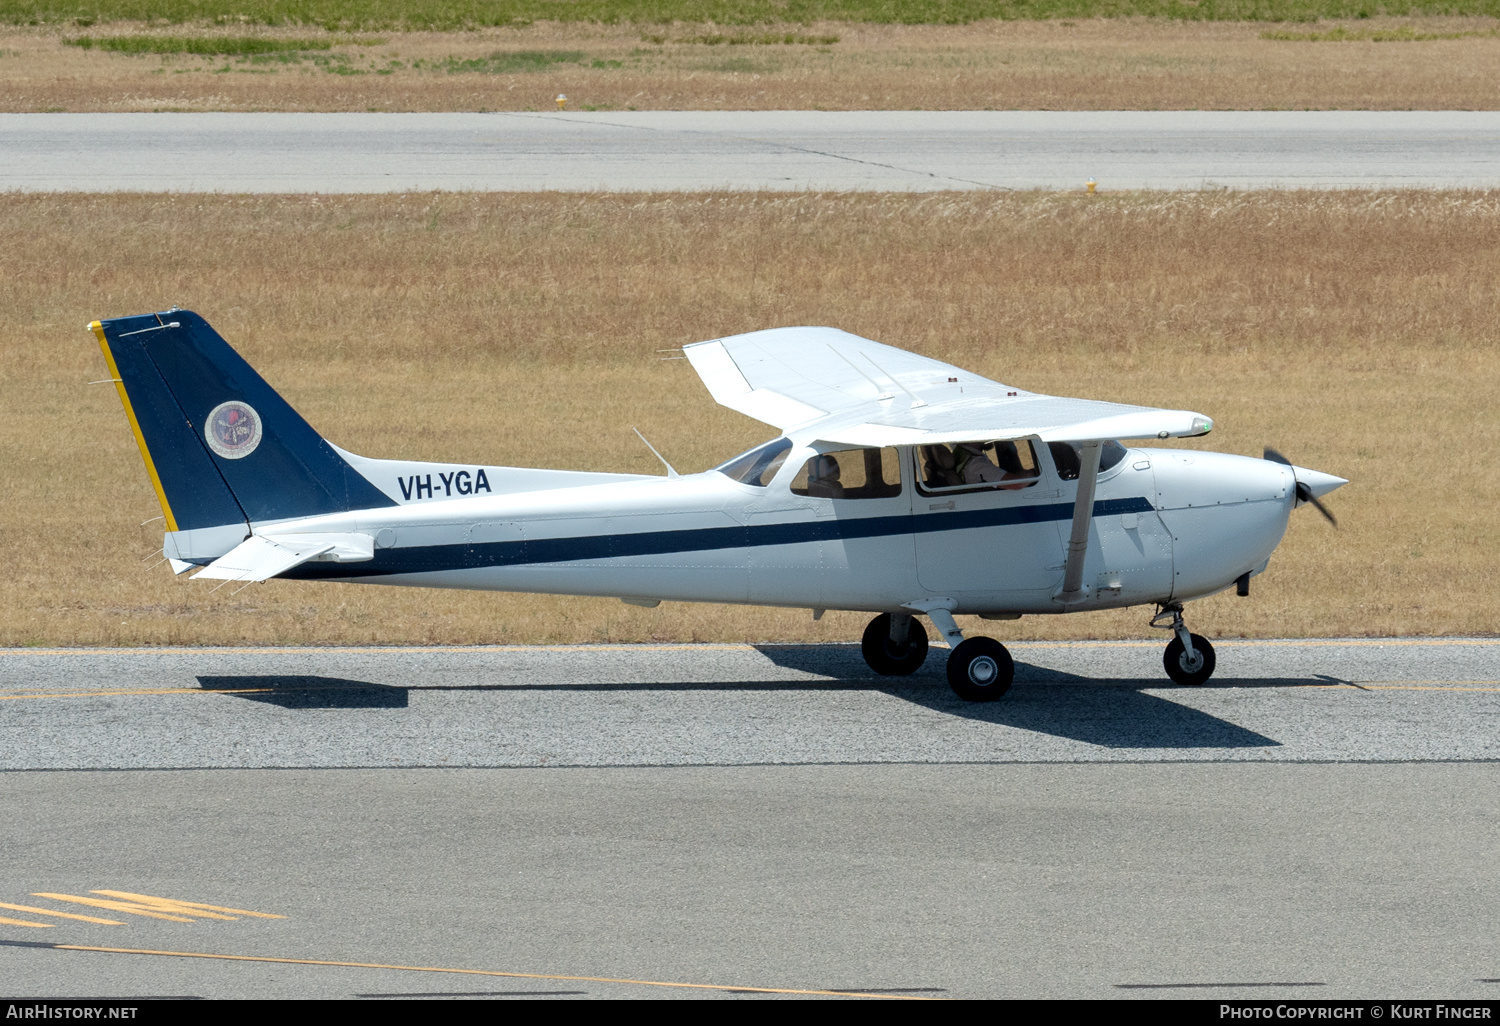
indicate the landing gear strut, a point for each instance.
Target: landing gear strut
{"x":979,"y":669}
{"x":1189,"y":658}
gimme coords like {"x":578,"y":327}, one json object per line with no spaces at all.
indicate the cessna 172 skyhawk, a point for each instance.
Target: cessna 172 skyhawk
{"x":899,"y":486}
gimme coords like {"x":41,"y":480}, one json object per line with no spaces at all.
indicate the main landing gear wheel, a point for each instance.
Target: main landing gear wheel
{"x":980,"y":670}
{"x":894,"y":657}
{"x":1183,"y":670}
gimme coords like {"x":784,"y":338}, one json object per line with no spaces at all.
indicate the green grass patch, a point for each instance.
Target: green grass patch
{"x":206,"y":46}
{"x":745,"y":65}
{"x":505,"y":63}
{"x":748,"y":39}
{"x":1401,"y":34}
{"x":350,"y":15}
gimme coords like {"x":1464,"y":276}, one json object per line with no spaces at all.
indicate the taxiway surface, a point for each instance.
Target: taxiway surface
{"x":768,"y":150}
{"x":712,"y":705}
{"x":657,"y":820}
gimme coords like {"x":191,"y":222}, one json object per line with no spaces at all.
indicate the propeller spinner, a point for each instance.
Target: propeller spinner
{"x":1310,"y":483}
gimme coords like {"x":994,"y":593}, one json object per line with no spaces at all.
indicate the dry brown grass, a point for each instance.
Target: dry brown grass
{"x":1357,"y":332}
{"x":1056,"y":65}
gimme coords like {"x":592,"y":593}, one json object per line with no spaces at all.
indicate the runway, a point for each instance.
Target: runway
{"x":777,"y":150}
{"x":747,"y":822}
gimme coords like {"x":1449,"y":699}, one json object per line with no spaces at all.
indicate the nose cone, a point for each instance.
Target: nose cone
{"x":1317,"y":482}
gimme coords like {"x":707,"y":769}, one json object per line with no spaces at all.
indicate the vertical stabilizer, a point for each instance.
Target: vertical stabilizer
{"x":221,"y":446}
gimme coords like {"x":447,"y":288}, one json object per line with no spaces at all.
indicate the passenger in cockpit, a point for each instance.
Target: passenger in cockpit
{"x":823,"y":478}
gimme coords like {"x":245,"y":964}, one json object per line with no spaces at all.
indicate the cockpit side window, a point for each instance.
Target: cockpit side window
{"x":969,"y":466}
{"x":850,"y":474}
{"x":758,"y":466}
{"x":1065,"y":455}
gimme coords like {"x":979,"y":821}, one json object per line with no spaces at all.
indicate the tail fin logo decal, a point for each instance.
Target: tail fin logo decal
{"x":233,"y":430}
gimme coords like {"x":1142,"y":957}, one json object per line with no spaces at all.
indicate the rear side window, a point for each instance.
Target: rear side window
{"x":850,"y":474}
{"x":758,"y":466}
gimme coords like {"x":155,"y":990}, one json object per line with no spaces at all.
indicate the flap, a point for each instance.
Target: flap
{"x":972,"y":425}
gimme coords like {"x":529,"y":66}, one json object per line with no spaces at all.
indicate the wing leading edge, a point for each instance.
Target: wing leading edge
{"x":851,"y":390}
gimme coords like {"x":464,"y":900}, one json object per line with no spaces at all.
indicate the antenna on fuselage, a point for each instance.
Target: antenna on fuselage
{"x":671,"y":472}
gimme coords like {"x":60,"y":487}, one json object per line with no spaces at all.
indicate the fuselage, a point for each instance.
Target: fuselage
{"x":1168,"y":525}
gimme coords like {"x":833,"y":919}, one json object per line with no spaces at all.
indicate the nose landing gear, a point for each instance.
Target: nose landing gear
{"x":1189,"y":658}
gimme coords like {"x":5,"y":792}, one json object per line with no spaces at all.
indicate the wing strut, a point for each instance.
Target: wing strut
{"x":1083,"y":513}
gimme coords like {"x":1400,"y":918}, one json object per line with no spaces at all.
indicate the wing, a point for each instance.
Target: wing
{"x":849,"y":389}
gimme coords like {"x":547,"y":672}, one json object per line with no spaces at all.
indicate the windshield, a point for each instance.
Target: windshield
{"x":1067,"y":459}
{"x":759,"y":465}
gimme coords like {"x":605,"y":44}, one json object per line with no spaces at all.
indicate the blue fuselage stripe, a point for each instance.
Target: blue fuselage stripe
{"x":532,"y":551}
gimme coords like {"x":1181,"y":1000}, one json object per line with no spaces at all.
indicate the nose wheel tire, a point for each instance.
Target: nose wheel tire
{"x":980,"y":670}
{"x":891,"y":658}
{"x":1183,"y":670}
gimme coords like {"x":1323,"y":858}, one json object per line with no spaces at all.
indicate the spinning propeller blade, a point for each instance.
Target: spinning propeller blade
{"x":1304,"y":493}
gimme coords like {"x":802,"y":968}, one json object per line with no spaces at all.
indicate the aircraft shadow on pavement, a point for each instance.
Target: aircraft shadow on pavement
{"x":1110,"y":717}
{"x":1110,"y":713}
{"x":309,"y":692}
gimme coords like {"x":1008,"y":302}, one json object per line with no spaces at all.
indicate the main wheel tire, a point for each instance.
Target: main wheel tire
{"x":890,"y":658}
{"x":980,"y":670}
{"x":1185,"y":671}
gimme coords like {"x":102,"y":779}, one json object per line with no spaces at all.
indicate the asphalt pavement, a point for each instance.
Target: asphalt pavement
{"x":1231,"y":881}
{"x":763,"y":150}
{"x":734,"y":705}
{"x":750,"y":821}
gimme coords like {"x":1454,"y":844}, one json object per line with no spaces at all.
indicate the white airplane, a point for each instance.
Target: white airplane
{"x":899,"y":486}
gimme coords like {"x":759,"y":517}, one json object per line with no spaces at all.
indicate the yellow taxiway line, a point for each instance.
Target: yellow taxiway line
{"x":1419,"y":685}
{"x":61,"y":915}
{"x":148,"y":691}
{"x":1356,"y":685}
{"x":488,"y":972}
{"x":710,"y":646}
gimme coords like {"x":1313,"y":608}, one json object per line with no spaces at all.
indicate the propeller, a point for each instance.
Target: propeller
{"x":1304,"y":493}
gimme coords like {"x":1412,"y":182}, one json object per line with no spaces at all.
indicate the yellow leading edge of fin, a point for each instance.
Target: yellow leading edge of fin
{"x":140,"y":440}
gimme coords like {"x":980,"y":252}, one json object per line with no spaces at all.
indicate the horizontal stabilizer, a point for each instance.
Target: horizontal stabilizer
{"x":260,"y":558}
